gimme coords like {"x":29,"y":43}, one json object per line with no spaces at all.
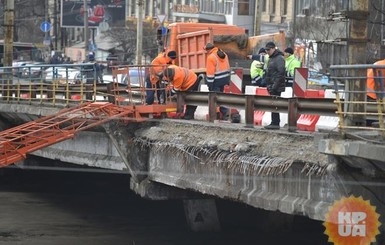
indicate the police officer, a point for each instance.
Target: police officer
{"x":291,"y":62}
{"x":257,"y":70}
{"x":95,"y":70}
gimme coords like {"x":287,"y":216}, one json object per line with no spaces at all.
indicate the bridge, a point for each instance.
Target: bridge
{"x":291,"y":171}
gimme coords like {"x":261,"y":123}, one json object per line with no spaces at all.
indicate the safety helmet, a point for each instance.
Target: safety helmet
{"x":91,"y":56}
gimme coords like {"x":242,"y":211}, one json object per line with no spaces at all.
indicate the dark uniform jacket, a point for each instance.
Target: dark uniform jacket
{"x":275,"y":73}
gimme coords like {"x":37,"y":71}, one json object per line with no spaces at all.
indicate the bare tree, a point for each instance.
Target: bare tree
{"x":376,"y":31}
{"x":28,"y":16}
{"x":127,"y":37}
{"x":321,"y":35}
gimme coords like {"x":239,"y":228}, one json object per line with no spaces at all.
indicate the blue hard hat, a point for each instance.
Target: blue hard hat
{"x":91,"y":57}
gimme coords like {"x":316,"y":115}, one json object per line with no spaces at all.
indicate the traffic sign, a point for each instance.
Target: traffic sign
{"x":47,"y":41}
{"x":45,"y":26}
{"x":161,"y":18}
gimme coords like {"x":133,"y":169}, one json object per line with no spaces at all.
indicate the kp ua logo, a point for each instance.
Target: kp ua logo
{"x":352,"y":221}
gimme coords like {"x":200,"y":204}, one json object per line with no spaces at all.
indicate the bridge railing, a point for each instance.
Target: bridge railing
{"x":65,"y":91}
{"x":356,"y":110}
{"x":64,"y":83}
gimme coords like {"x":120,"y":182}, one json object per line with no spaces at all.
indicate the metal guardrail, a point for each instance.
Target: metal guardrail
{"x":59,"y":92}
{"x":356,"y":110}
{"x":65,"y":94}
{"x":293,"y":106}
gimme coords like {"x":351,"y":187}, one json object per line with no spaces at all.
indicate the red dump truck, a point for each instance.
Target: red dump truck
{"x":188,"y":39}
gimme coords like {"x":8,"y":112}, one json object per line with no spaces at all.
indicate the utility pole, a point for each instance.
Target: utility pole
{"x":9,"y":20}
{"x":357,"y":49}
{"x":86,"y":31}
{"x":139,"y":32}
{"x":55,"y":25}
{"x":47,"y":39}
{"x":258,"y":17}
{"x":294,"y":25}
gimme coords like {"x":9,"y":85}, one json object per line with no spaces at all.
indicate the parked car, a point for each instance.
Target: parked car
{"x":135,"y":75}
{"x":62,"y":75}
{"x":27,"y":69}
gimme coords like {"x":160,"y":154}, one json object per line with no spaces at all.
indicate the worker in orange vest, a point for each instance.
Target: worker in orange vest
{"x":218,"y":72}
{"x":183,"y":79}
{"x":370,"y":82}
{"x":155,"y":75}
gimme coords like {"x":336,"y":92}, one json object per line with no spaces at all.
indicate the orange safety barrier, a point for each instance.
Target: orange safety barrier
{"x":258,"y":115}
{"x":308,"y":122}
{"x":76,"y":97}
{"x":25,"y":96}
{"x":313,"y":93}
{"x":261,"y":91}
{"x":229,"y":89}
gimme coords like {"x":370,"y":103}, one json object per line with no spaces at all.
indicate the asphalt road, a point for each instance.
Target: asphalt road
{"x":45,"y":207}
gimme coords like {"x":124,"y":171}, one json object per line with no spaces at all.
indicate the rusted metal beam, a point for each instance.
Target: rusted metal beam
{"x":249,"y":111}
{"x":293,"y":114}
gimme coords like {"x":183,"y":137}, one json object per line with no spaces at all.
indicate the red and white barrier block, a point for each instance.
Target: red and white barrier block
{"x":266,"y":120}
{"x":263,"y":118}
{"x":254,"y":90}
{"x":308,"y":122}
{"x":328,"y":123}
{"x":236,"y":81}
{"x":300,"y":81}
{"x":202,"y":111}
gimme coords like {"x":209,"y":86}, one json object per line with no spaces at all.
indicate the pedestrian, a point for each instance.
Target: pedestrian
{"x":154,"y":77}
{"x":291,"y":62}
{"x":274,"y":77}
{"x":183,"y":79}
{"x":112,"y":60}
{"x":94,"y":72}
{"x":217,"y":73}
{"x":257,"y":69}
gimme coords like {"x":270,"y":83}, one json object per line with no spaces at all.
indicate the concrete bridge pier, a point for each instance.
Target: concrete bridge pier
{"x":201,"y":214}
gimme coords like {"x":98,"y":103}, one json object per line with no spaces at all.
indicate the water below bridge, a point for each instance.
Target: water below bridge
{"x":61,"y":207}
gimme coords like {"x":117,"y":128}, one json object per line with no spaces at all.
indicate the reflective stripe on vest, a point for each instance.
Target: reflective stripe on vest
{"x":221,"y":74}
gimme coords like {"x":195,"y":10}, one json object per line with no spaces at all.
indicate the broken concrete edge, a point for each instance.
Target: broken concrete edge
{"x":234,"y":144}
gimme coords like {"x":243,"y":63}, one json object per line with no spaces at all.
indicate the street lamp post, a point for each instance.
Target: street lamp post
{"x":139,"y":32}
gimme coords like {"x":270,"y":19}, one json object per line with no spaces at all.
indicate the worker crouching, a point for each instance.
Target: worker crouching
{"x":183,"y":79}
{"x":153,"y":79}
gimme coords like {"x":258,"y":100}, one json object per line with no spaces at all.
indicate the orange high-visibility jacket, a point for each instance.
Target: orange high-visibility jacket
{"x":182,"y":78}
{"x":157,"y":67}
{"x":370,"y":85}
{"x":217,"y":69}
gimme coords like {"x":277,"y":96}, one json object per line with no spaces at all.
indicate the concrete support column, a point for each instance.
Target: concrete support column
{"x":357,"y":50}
{"x":201,"y":214}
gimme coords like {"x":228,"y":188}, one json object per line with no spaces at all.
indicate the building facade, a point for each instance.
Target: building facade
{"x":275,"y":14}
